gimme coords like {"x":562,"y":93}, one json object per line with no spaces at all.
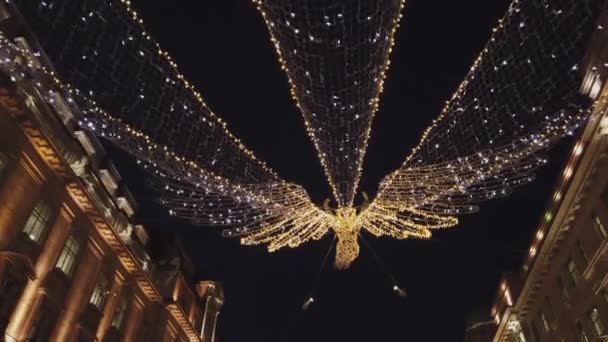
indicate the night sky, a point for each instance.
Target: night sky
{"x":223,"y":47}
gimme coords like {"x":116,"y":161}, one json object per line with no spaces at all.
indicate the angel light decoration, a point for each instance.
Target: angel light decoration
{"x":519,"y":97}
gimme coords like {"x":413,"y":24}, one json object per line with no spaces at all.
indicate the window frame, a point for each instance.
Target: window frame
{"x":598,"y":225}
{"x":544,"y":321}
{"x":120,"y":312}
{"x":69,"y":253}
{"x":38,"y":222}
{"x":596,"y":322}
{"x":573,"y":273}
{"x":100,"y":292}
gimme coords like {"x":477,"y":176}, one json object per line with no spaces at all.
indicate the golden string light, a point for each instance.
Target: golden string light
{"x":519,"y":97}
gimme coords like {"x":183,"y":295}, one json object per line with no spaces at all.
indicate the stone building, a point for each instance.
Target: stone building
{"x":561,"y":293}
{"x":74,"y":265}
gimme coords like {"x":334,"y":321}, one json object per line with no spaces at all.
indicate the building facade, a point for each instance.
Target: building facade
{"x":73,"y":264}
{"x":561,"y":293}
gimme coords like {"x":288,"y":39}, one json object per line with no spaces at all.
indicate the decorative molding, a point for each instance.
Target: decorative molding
{"x":180,"y":317}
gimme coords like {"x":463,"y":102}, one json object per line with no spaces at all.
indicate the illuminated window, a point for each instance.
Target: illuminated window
{"x":596,"y":322}
{"x":573,"y":272}
{"x":119,"y":314}
{"x":599,"y":226}
{"x":38,"y":222}
{"x":581,"y":252}
{"x":99,"y":292}
{"x":68,"y":255}
{"x":543,"y":319}
{"x":581,"y":332}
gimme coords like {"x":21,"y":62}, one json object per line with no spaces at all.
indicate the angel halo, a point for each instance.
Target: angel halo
{"x":519,"y":97}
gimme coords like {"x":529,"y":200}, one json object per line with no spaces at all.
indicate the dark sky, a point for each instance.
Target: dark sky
{"x":224,"y":48}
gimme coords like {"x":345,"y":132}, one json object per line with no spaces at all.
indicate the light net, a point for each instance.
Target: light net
{"x":100,"y":48}
{"x":520,"y":96}
{"x":120,"y":85}
{"x":335,"y":54}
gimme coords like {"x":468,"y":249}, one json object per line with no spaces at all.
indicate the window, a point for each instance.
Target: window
{"x":119,"y":314}
{"x":99,"y":292}
{"x":596,"y":322}
{"x":543,"y":319}
{"x":581,"y":251}
{"x":564,"y":290}
{"x":38,"y":221}
{"x":68,"y":255}
{"x":581,"y":333}
{"x":573,"y":272}
{"x":599,"y":226}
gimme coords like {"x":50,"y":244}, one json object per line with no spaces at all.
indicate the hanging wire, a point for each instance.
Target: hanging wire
{"x":396,"y":288}
{"x":310,"y":300}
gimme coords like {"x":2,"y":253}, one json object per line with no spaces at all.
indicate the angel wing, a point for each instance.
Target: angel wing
{"x":122,"y":86}
{"x":519,"y":97}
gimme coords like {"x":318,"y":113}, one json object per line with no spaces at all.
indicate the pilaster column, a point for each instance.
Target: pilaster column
{"x":27,"y":307}
{"x":133,"y":320}
{"x":212,"y":312}
{"x":111,"y":302}
{"x":19,"y":193}
{"x":79,"y":293}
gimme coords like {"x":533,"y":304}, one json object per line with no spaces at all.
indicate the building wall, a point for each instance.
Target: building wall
{"x":71,"y":267}
{"x":567,"y":287}
{"x":562,"y":294}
